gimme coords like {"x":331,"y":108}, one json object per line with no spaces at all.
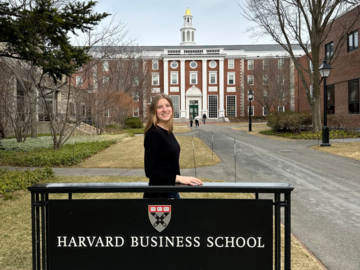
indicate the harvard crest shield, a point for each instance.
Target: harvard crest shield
{"x":159,"y":216}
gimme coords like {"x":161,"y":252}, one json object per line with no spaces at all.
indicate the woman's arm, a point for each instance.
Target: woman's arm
{"x":188,"y":180}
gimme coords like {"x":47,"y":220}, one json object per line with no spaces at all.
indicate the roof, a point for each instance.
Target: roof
{"x":253,"y":47}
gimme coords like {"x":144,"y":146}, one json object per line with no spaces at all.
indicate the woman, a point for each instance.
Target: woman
{"x":162,"y":151}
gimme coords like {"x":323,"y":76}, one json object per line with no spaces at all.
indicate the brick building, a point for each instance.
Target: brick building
{"x":211,"y":79}
{"x":343,"y":54}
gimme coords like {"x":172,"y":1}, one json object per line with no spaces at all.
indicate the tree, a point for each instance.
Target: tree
{"x":271,"y":82}
{"x":38,"y":31}
{"x":302,"y":22}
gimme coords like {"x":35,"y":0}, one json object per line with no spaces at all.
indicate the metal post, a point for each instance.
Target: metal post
{"x":325,"y":128}
{"x":34,"y":235}
{"x":250,"y":113}
{"x":277,"y":232}
{"x":43,"y":234}
{"x":287,"y":218}
{"x":37,"y":233}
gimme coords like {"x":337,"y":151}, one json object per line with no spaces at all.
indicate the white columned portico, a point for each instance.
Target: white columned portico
{"x":221,"y":88}
{"x":204,"y":88}
{"x":182,"y":88}
{"x":166,"y":77}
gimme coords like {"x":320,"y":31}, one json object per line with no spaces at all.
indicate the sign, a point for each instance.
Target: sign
{"x":160,"y":234}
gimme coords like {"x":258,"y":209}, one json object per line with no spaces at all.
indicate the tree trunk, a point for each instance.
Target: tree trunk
{"x":33,"y":112}
{"x":316,"y":114}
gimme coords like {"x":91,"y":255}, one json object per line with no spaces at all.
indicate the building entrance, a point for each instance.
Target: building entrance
{"x":193,"y":108}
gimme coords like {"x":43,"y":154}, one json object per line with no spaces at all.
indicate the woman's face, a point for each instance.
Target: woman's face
{"x":163,"y":110}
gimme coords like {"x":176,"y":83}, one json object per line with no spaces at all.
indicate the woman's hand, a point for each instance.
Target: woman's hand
{"x":188,"y":180}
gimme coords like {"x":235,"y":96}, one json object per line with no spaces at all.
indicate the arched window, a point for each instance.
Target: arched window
{"x":183,"y":36}
{"x":188,"y":35}
{"x":193,"y":36}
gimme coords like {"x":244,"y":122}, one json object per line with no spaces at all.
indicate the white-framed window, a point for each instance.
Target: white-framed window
{"x":280,"y":63}
{"x":311,"y":92}
{"x":174,"y":78}
{"x":212,"y":64}
{"x":281,"y":95}
{"x":265,"y":80}
{"x":265,"y":93}
{"x":230,"y":63}
{"x":176,"y":104}
{"x":250,"y":79}
{"x":155,"y":64}
{"x":212,"y":77}
{"x":174,"y":64}
{"x":230,"y":105}
{"x":105,"y":80}
{"x":136,"y":81}
{"x":136,"y":97}
{"x":265,"y":64}
{"x":136,"y":112}
{"x":213,"y":106}
{"x":251,"y":110}
{"x":231,"y":78}
{"x":193,"y":78}
{"x":107,"y":113}
{"x":265,"y":112}
{"x":250,"y":64}
{"x":281,"y":109}
{"x":193,"y":64}
{"x":281,"y":79}
{"x":79,"y":81}
{"x":105,"y":66}
{"x":155,"y":79}
{"x":311,"y":67}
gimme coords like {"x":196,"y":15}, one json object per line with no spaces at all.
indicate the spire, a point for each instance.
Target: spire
{"x":188,"y":30}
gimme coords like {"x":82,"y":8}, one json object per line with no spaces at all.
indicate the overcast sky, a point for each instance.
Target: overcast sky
{"x":158,"y":22}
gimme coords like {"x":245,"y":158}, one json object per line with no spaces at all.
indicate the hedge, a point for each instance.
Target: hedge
{"x":11,"y":181}
{"x":134,"y":122}
{"x":291,"y":121}
{"x":66,"y":156}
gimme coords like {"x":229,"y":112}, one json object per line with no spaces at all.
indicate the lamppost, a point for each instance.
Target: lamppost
{"x":325,"y":69}
{"x":250,"y":97}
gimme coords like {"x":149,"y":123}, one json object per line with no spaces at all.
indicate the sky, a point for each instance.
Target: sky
{"x":158,"y":22}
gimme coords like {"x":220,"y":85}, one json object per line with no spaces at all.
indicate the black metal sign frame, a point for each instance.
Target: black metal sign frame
{"x":40,"y":212}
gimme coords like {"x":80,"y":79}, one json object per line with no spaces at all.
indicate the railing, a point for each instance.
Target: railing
{"x":40,"y":200}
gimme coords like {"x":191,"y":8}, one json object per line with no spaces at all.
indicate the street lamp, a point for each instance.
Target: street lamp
{"x":250,"y":97}
{"x":325,"y":69}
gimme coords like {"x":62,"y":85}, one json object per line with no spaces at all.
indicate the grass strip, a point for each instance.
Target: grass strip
{"x":310,"y":135}
{"x":129,"y":154}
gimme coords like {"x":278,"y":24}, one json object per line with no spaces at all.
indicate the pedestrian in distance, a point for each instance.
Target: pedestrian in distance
{"x":204,"y":118}
{"x":162,"y":150}
{"x":197,"y":118}
{"x":191,"y":120}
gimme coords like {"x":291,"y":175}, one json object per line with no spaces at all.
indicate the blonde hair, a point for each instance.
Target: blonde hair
{"x":152,"y":119}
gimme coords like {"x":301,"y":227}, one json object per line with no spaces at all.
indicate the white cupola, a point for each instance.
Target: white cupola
{"x":188,"y":30}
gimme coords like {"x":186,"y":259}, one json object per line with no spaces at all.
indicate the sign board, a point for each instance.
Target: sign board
{"x":160,"y":234}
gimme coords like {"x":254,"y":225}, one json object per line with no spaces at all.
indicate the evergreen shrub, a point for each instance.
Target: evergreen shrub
{"x":134,"y":122}
{"x":11,"y":181}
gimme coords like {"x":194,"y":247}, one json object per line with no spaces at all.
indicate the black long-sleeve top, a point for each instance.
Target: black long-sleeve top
{"x":162,"y":154}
